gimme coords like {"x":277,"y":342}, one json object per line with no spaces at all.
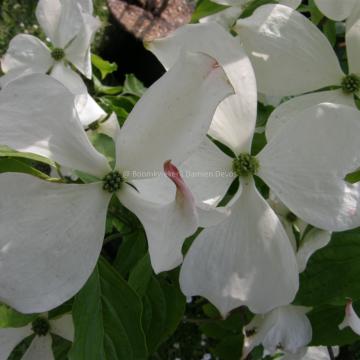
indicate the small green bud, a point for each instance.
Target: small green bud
{"x":350,"y":84}
{"x":58,"y":54}
{"x":245,"y":165}
{"x":112,"y":182}
{"x":40,"y":326}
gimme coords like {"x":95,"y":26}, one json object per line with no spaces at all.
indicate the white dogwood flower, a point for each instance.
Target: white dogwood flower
{"x":292,"y":56}
{"x":53,"y":232}
{"x":40,"y":347}
{"x":247,"y":259}
{"x":287,"y":328}
{"x":351,"y":319}
{"x":71,"y":29}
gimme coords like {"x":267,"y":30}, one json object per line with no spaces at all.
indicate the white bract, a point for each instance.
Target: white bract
{"x":305,"y":241}
{"x":292,"y":56}
{"x":310,"y":242}
{"x":351,"y":319}
{"x":249,"y":254}
{"x":286,"y":327}
{"x":284,"y":112}
{"x":52,"y":233}
{"x":311,"y":353}
{"x":335,"y":9}
{"x":210,"y":39}
{"x":228,"y":16}
{"x":41,"y":346}
{"x":70,"y":28}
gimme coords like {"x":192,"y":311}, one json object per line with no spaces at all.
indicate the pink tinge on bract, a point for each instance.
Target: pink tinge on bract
{"x":182,"y":189}
{"x":351,"y":318}
{"x":348,"y":308}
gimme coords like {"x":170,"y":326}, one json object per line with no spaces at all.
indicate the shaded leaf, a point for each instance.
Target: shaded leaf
{"x":133,"y":86}
{"x":132,"y":249}
{"x":333,"y":273}
{"x":107,"y":317}
{"x":12,"y":318}
{"x":105,"y":67}
{"x":205,"y":8}
{"x":325,"y":322}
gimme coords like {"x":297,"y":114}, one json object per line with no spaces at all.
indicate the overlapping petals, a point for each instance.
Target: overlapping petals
{"x":68,"y":220}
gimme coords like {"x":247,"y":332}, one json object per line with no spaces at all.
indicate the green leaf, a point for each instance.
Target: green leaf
{"x":315,"y":14}
{"x":107,"y":316}
{"x":141,"y":275}
{"x":206,"y":8}
{"x":12,"y":318}
{"x":121,"y":105}
{"x":219,"y":329}
{"x":163,"y":303}
{"x":100,"y":88}
{"x":175,"y":308}
{"x":86,"y":178}
{"x":164,"y":307}
{"x":253,"y":5}
{"x":119,"y":101}
{"x":105,"y":67}
{"x":228,"y":333}
{"x":263,"y":113}
{"x":258,"y":143}
{"x":333,"y":273}
{"x":132,"y":249}
{"x":133,"y":86}
{"x":105,"y":145}
{"x":329,"y":29}
{"x":154,"y":314}
{"x":18,"y":166}
{"x":9,"y":153}
{"x":353,"y":177}
{"x":325,"y":322}
{"x":211,"y":311}
{"x":20,"y":349}
{"x":230,"y":348}
{"x":60,"y":347}
{"x":61,"y":310}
